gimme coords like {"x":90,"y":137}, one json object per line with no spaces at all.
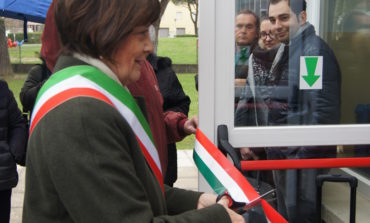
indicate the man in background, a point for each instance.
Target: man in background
{"x":291,"y":104}
{"x":246,"y":38}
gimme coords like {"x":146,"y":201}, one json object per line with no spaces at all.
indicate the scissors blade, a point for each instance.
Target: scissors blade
{"x":257,"y":201}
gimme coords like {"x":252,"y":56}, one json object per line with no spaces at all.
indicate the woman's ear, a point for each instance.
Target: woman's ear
{"x":302,"y":18}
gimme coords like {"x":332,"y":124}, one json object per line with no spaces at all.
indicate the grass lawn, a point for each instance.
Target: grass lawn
{"x":181,"y":50}
{"x":188,"y":84}
{"x":29,"y":52}
{"x":187,"y":80}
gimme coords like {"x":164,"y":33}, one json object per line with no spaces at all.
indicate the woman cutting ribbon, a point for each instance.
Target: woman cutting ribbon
{"x":91,"y":156}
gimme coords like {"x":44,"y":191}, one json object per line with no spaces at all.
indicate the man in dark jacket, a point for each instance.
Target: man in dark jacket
{"x":13,"y":137}
{"x":246,"y":37}
{"x":174,"y":100}
{"x":36,"y":77}
{"x":293,"y":103}
{"x":39,"y":73}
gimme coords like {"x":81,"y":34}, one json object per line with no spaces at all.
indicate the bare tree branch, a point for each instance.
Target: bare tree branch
{"x":191,"y":4}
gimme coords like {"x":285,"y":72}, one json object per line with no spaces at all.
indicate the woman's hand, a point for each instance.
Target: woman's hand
{"x":206,"y":200}
{"x":235,"y":218}
{"x":191,"y":125}
{"x":248,"y":154}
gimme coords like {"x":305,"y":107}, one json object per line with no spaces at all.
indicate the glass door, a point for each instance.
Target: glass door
{"x":282,"y":83}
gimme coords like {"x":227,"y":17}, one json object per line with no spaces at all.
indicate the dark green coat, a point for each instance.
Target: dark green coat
{"x":84,"y":165}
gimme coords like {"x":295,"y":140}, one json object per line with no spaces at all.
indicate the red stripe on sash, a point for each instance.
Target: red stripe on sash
{"x":64,"y":96}
{"x":152,"y":164}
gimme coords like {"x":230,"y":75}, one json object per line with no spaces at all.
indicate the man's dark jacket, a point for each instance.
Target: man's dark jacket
{"x":296,"y":189}
{"x":292,"y":106}
{"x":174,"y":97}
{"x":36,"y":77}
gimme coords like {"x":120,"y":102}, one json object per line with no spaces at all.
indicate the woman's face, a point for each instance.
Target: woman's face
{"x":131,"y":53}
{"x":269,"y":40}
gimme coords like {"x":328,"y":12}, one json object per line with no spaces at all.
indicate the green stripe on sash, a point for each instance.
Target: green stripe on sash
{"x":97,"y":76}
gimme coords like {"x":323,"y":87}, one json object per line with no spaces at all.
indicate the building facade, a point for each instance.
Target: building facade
{"x":176,"y":21}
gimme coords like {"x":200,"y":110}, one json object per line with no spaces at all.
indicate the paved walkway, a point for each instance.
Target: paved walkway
{"x":187,"y":179}
{"x":17,"y":198}
{"x":187,"y":171}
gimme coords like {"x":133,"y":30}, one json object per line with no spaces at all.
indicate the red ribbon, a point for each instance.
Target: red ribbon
{"x":305,"y":163}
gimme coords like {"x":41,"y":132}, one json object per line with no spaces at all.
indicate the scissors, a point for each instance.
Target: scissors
{"x":242,"y":207}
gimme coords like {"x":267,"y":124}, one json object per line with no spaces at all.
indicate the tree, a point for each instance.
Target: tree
{"x":5,"y":65}
{"x":156,"y":24}
{"x":193,"y":10}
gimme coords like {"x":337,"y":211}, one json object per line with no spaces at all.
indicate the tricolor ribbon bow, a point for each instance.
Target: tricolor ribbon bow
{"x":222,"y":176}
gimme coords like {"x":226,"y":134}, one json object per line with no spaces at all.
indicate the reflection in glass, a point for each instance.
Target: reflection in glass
{"x":348,"y":33}
{"x":345,"y":28}
{"x":273,"y":93}
{"x":247,"y":17}
{"x":294,"y":76}
{"x":349,"y":36}
{"x":246,"y":37}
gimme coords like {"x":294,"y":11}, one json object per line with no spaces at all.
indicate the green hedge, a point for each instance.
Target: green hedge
{"x":186,"y":35}
{"x":32,"y":37}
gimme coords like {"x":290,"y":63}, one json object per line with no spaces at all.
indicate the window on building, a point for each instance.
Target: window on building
{"x":178,"y":16}
{"x":164,"y":32}
{"x":180,"y":31}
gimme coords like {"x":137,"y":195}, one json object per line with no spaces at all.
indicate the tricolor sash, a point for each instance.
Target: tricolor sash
{"x":221,"y":175}
{"x":88,"y":81}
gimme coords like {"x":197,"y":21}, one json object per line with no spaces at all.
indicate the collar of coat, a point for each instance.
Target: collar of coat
{"x":304,"y":31}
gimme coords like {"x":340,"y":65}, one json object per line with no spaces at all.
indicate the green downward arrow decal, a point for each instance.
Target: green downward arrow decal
{"x":311,"y":63}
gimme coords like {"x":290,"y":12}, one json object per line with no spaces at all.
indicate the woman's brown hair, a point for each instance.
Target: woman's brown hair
{"x":97,"y":27}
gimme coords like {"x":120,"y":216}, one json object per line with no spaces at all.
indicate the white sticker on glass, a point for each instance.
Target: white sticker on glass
{"x":311,"y":72}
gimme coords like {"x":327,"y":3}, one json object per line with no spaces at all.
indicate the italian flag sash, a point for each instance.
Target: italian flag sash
{"x":88,"y":81}
{"x":221,"y":175}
